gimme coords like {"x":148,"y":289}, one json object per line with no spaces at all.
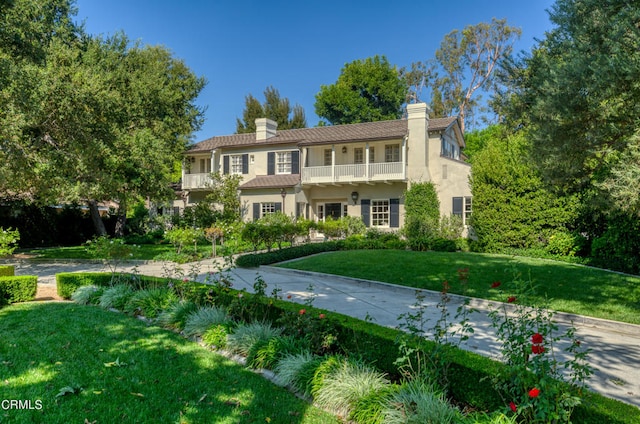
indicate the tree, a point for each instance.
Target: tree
{"x":224,"y":194}
{"x":464,"y":64}
{"x":105,"y":121}
{"x":578,"y":93}
{"x":275,"y":108}
{"x":366,"y":91}
{"x":511,"y":206}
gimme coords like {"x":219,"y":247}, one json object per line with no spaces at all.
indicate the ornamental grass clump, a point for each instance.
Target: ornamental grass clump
{"x":536,"y":386}
{"x":297,"y":371}
{"x":150,"y":302}
{"x":87,"y":295}
{"x":266,"y":353}
{"x":199,"y":321}
{"x":175,"y":316}
{"x":246,"y":335}
{"x":116,"y":297}
{"x":418,"y":401}
{"x":346,"y":384}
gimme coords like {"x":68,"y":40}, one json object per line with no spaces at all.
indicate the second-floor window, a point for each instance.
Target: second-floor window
{"x":327,"y":157}
{"x":283,"y":162}
{"x":392,"y":153}
{"x":358,"y":155}
{"x":236,"y":164}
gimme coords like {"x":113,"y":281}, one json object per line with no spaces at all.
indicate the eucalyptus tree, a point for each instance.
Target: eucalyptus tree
{"x":275,"y":108}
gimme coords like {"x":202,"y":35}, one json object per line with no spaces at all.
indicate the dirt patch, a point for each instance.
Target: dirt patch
{"x":47,"y":292}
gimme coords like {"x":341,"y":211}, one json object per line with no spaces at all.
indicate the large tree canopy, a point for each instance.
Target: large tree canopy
{"x":97,"y":119}
{"x":579,"y":92}
{"x":275,"y":108}
{"x":366,"y":91}
{"x":465,"y":63}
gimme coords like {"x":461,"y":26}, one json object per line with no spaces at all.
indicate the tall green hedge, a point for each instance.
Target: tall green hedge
{"x":68,"y":282}
{"x":18,"y":289}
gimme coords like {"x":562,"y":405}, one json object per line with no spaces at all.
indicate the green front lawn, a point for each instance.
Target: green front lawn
{"x":568,"y":288}
{"x":146,"y":252}
{"x":85,"y":364}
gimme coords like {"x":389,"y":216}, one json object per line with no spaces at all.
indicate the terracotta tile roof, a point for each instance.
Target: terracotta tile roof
{"x":321,"y":135}
{"x":272,"y":181}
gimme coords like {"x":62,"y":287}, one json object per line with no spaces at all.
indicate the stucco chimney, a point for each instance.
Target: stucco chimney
{"x":265,"y":128}
{"x":418,"y":142}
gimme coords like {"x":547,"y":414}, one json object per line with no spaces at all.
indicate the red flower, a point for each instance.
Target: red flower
{"x":289,"y":296}
{"x":495,"y":284}
{"x":302,"y":311}
{"x":321,"y":316}
{"x":513,"y":406}
{"x":537,"y":338}
{"x":534,"y":393}
{"x":537,"y":349}
{"x":511,"y":299}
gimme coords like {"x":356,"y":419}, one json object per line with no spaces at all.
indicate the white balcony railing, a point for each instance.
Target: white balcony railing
{"x":196,"y":181}
{"x":353,"y":173}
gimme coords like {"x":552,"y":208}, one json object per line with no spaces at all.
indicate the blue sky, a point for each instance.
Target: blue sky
{"x":243,"y":46}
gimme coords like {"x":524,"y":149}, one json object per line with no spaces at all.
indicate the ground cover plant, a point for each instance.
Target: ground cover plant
{"x":86,"y":363}
{"x":569,"y":287}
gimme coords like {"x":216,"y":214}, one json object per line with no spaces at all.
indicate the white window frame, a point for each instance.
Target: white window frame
{"x":321,"y":210}
{"x":235,"y":164}
{"x":392,"y":153}
{"x":267,"y":208}
{"x":467,"y":209}
{"x":380,"y":213}
{"x":283,"y":162}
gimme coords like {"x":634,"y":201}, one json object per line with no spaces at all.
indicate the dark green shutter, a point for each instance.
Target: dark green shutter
{"x":225,"y":164}
{"x":245,"y":164}
{"x":256,"y":211}
{"x":271,"y":163}
{"x":278,"y":206}
{"x":365,"y":211}
{"x":394,"y":213}
{"x":295,"y":162}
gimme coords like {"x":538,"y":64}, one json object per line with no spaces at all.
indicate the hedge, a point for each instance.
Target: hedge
{"x":18,"y":289}
{"x":7,"y":270}
{"x":377,"y":345}
{"x":256,"y":259}
{"x":68,"y":282}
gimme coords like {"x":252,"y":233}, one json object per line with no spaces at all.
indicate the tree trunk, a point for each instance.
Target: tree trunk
{"x":121,"y":220}
{"x":98,"y":224}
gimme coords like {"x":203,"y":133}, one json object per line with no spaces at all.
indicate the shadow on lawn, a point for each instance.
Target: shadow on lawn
{"x":128,"y":371}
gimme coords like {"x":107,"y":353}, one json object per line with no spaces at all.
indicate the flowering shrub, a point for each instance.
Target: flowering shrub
{"x":111,"y":250}
{"x":536,"y":385}
{"x":8,"y":241}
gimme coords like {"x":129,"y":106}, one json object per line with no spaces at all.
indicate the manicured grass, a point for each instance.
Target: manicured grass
{"x":143,"y":252}
{"x":568,"y":287}
{"x":115,"y":368}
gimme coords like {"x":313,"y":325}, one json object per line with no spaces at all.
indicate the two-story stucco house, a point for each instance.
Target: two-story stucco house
{"x":357,"y":169}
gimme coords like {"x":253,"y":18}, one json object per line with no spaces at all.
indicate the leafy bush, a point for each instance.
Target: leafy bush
{"x":175,"y":316}
{"x":18,"y":289}
{"x":199,"y":321}
{"x":180,"y":238}
{"x":422,"y":211}
{"x":150,"y":302}
{"x":267,"y":353}
{"x":8,"y":241}
{"x":87,"y":295}
{"x":565,"y":244}
{"x":116,"y":296}
{"x":216,"y":336}
{"x":7,"y":271}
{"x":246,"y":335}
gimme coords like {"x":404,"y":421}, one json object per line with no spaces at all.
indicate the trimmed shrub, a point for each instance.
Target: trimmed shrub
{"x":87,"y":295}
{"x":7,"y":270}
{"x":18,"y":289}
{"x":267,"y":258}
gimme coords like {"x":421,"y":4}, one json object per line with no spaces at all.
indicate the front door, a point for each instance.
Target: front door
{"x":333,"y":210}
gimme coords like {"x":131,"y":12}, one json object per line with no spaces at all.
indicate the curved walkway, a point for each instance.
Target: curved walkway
{"x":615,"y":354}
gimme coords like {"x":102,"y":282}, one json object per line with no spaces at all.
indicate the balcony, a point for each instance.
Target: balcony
{"x":196,"y":181}
{"x":342,"y":174}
